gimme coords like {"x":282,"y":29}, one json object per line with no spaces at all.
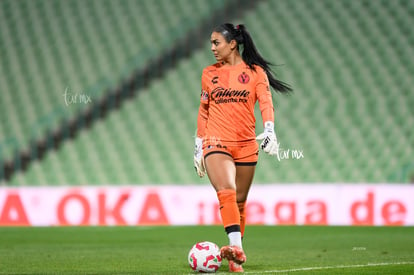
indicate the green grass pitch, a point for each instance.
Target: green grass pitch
{"x":163,"y":250}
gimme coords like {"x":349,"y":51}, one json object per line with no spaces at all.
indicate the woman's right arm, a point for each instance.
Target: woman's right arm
{"x":204,"y":104}
{"x":202,"y":119}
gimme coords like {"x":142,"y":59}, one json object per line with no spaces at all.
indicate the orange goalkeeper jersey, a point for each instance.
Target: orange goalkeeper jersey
{"x":228,"y":97}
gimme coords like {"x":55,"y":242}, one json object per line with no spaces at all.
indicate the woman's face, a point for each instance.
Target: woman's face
{"x":220,"y":48}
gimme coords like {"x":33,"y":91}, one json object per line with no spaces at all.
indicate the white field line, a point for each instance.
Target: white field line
{"x":329,"y":267}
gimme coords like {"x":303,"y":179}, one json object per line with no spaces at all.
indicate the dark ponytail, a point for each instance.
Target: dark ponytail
{"x":250,"y":54}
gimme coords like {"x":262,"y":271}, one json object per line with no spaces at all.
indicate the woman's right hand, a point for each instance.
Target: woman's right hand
{"x":199,"y":158}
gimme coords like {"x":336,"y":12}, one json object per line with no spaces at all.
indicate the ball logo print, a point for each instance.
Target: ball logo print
{"x":202,"y":246}
{"x":204,"y":257}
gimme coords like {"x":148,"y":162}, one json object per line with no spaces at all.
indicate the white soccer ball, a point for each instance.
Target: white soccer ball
{"x":204,"y":257}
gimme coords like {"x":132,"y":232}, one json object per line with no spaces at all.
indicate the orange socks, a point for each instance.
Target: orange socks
{"x":229,"y":210}
{"x":241,"y":206}
{"x":230,"y":215}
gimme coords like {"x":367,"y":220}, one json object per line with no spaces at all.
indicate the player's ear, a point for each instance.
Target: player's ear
{"x":233,"y":44}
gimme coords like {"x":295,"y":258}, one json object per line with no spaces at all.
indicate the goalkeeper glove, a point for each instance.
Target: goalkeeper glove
{"x":198,"y":157}
{"x":269,"y":144}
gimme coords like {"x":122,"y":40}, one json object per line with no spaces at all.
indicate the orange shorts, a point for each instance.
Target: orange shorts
{"x":243,"y":155}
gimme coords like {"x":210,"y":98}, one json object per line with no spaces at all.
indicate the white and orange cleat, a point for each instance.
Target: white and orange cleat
{"x":233,"y":253}
{"x":233,"y":267}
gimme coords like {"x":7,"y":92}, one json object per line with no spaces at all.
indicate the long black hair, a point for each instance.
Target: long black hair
{"x":250,"y":54}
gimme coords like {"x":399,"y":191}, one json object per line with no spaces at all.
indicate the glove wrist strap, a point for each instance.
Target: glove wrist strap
{"x":198,"y":141}
{"x":269,"y":126}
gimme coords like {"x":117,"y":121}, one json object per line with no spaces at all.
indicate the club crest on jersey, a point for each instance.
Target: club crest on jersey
{"x":244,"y":78}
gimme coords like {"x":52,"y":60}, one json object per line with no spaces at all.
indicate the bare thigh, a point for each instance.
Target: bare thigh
{"x":221,"y":171}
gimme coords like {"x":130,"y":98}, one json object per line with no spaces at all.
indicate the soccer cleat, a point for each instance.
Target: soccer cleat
{"x":233,"y":253}
{"x":233,"y":267}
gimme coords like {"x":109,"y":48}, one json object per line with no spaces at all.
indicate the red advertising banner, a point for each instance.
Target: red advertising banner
{"x":293,"y":204}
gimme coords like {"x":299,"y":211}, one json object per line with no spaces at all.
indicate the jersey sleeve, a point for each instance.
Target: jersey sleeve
{"x":264,"y":97}
{"x":203,"y":108}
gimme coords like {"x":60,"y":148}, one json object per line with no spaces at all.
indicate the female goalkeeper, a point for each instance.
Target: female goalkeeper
{"x":225,"y":145}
